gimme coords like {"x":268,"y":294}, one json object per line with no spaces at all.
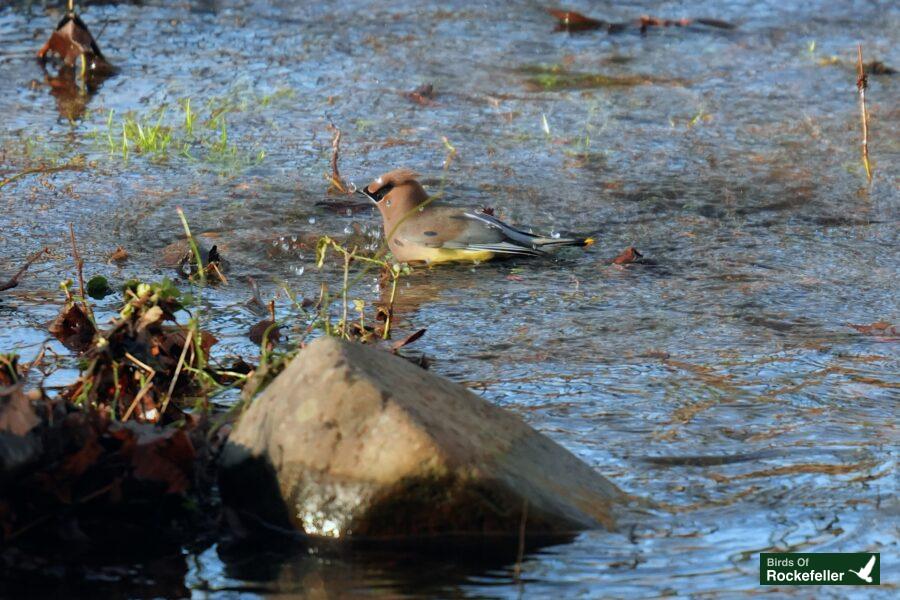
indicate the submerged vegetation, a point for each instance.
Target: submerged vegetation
{"x":550,"y":78}
{"x":197,"y":136}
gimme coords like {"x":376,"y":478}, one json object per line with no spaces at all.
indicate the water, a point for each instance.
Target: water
{"x":723,"y":382}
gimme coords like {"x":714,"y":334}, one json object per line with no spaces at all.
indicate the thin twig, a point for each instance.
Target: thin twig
{"x":215,"y":269}
{"x":188,"y":342}
{"x":140,"y":364}
{"x":14,"y":280}
{"x":79,"y":267}
{"x":140,"y":395}
{"x":73,"y":164}
{"x":193,"y":244}
{"x":347,"y":259}
{"x":862,"y":83}
{"x":337,"y":182}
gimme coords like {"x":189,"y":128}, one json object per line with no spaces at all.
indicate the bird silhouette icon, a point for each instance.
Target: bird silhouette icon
{"x":864,"y":573}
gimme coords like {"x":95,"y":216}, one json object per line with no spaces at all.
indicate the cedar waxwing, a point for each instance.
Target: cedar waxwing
{"x":435,"y":234}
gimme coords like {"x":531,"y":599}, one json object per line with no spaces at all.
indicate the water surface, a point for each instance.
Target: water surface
{"x":723,"y":381}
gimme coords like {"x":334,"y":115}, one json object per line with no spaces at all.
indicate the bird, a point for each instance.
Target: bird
{"x":865,"y":572}
{"x":418,"y":232}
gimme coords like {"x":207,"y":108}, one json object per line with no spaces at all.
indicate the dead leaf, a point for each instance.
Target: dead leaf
{"x":408,"y":340}
{"x":72,"y":40}
{"x":569,"y":20}
{"x":258,"y":331}
{"x":628,"y":256}
{"x":120,"y":254}
{"x":166,"y":456}
{"x":73,"y":328}
{"x":422,"y":95}
{"x":17,"y":415}
{"x":878,"y":328}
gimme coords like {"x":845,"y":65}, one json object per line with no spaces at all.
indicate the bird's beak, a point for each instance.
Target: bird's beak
{"x":365,"y":192}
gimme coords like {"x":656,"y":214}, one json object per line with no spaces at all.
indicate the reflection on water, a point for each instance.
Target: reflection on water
{"x":723,"y":381}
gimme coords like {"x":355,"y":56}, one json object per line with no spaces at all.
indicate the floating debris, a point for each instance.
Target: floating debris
{"x":140,"y":363}
{"x":573,"y":22}
{"x":73,"y":328}
{"x":422,"y":95}
{"x":862,"y":84}
{"x":876,"y":67}
{"x":628,"y":256}
{"x":14,"y":280}
{"x":557,"y":77}
{"x":118,"y":255}
{"x":72,"y":41}
{"x":878,"y":328}
{"x":336,"y":182}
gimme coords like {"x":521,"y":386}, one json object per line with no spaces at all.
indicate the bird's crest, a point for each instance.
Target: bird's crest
{"x":393,"y":178}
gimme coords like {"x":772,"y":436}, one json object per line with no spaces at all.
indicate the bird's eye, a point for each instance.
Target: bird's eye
{"x":382,"y":192}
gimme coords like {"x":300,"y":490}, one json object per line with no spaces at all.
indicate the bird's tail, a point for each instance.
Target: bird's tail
{"x":544,"y":242}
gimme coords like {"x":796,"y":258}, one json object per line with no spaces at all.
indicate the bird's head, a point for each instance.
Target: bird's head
{"x":395,"y":193}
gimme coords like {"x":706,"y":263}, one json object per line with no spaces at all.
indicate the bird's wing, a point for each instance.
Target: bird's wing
{"x":519,"y":237}
{"x":516,"y":235}
{"x":868,"y":568}
{"x":446,"y":227}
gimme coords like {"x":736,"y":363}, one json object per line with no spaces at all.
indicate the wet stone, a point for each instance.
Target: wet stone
{"x":352,"y":442}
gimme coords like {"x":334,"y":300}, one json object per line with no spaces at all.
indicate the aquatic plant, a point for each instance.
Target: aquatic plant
{"x":557,"y":77}
{"x":188,"y":136}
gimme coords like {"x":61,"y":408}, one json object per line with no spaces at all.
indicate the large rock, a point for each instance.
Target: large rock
{"x":352,"y":441}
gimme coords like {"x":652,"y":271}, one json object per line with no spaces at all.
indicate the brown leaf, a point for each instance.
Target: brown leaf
{"x":170,"y":461}
{"x":422,"y":95}
{"x":569,"y":20}
{"x":17,"y":415}
{"x":73,"y":328}
{"x":166,"y":456}
{"x":78,"y":462}
{"x":120,"y":254}
{"x":878,"y":328}
{"x":408,"y":340}
{"x":258,"y":331}
{"x":70,"y":41}
{"x":628,"y":256}
{"x":175,"y":337}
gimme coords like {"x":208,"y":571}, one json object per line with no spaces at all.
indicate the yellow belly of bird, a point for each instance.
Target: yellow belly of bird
{"x":433,"y":256}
